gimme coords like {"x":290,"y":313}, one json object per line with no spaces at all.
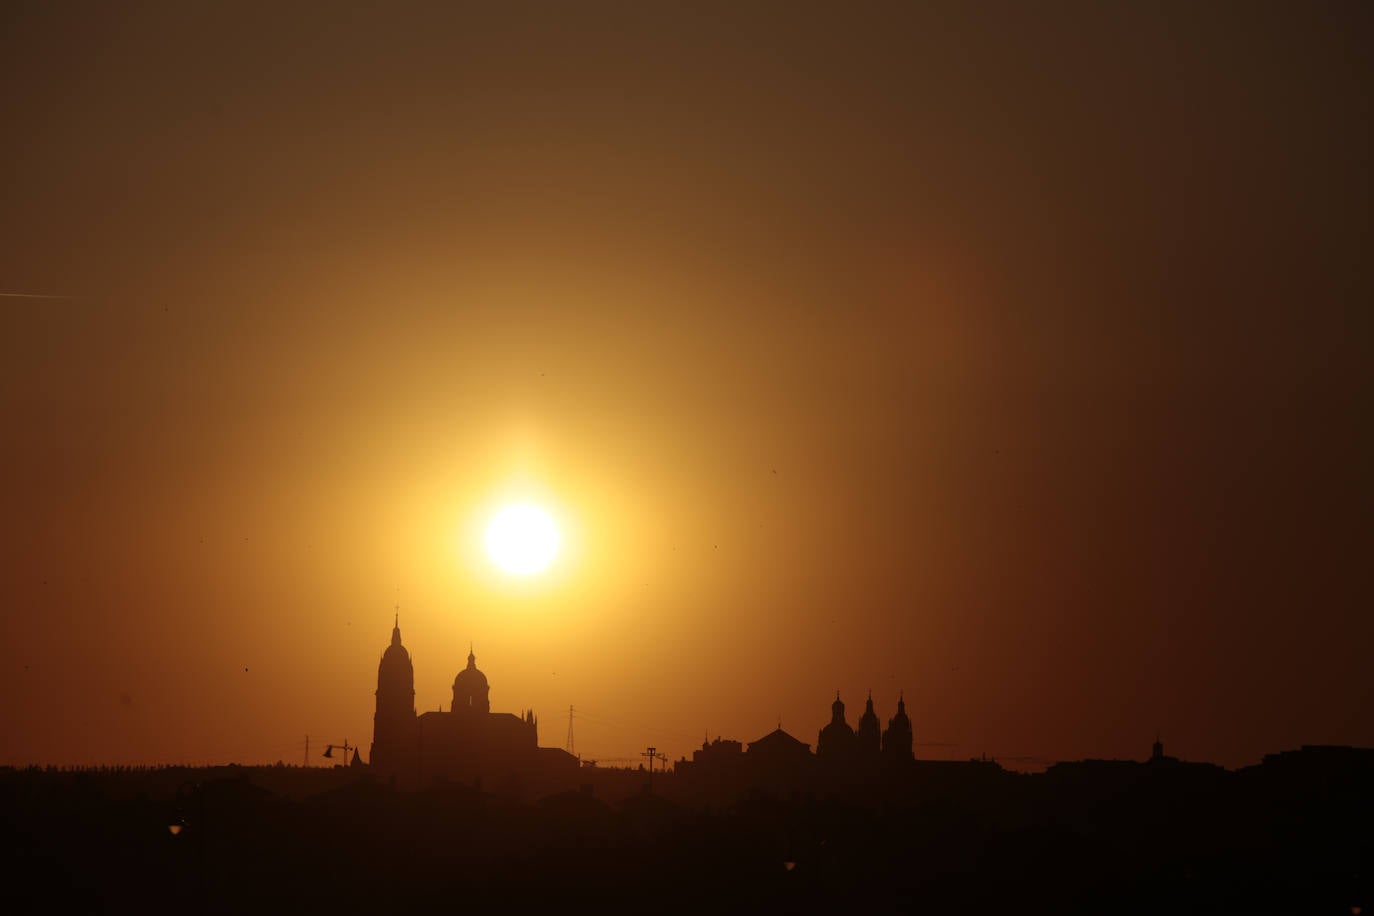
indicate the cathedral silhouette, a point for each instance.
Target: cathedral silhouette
{"x":845,"y":758}
{"x":840,"y":744}
{"x":469,"y":743}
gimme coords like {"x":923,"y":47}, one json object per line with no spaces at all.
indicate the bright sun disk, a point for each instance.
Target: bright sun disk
{"x":522,"y":539}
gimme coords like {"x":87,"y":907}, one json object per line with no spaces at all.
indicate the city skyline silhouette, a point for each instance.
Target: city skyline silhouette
{"x":1016,"y":362}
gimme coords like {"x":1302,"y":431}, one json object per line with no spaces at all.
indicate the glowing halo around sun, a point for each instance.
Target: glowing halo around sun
{"x":522,"y":539}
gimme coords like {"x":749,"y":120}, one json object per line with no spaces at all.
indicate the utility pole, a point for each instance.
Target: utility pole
{"x":569,"y":745}
{"x":653,"y":754}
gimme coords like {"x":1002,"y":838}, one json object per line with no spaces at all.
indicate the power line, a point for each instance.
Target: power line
{"x":10,"y":295}
{"x":637,"y":728}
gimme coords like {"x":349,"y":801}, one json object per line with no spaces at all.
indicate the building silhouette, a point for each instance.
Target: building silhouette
{"x":897,"y":738}
{"x":779,"y":748}
{"x":468,"y":743}
{"x":855,"y":754}
{"x":395,"y":729}
{"x":867,"y":737}
{"x":846,"y":760}
{"x":835,"y":743}
{"x":780,"y":761}
{"x":724,"y":753}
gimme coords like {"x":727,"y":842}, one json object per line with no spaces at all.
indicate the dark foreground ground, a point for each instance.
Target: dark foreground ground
{"x":1086,"y":841}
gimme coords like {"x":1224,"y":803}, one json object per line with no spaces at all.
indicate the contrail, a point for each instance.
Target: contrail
{"x":34,"y":296}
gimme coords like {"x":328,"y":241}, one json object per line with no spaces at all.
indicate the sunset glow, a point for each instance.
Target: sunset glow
{"x":692,"y":363}
{"x":681,"y":456}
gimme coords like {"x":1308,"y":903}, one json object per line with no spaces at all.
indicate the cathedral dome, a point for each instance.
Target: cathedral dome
{"x":470,"y":677}
{"x":837,"y":737}
{"x":470,"y":688}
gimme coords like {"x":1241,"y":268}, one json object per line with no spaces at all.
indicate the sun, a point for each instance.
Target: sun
{"x":522,"y":539}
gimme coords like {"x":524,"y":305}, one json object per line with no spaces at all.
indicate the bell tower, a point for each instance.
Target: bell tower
{"x":897,"y":738}
{"x":868,"y":736}
{"x":395,"y":729}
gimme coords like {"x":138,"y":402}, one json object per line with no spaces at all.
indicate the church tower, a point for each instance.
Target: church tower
{"x":867,"y":738}
{"x":394,"y":726}
{"x":897,"y":738}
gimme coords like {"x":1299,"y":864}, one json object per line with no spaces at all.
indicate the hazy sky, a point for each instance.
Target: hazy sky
{"x":1015,"y":357}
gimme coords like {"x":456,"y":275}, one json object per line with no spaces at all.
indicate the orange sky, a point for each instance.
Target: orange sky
{"x":1018,"y":360}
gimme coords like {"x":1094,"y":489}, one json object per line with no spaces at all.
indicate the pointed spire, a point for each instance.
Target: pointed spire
{"x":396,"y":628}
{"x":472,"y":659}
